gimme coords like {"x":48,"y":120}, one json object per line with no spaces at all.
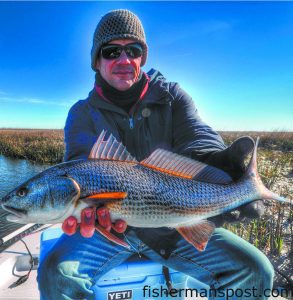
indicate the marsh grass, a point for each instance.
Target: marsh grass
{"x":46,"y":146}
{"x":42,"y":146}
{"x":275,"y":140}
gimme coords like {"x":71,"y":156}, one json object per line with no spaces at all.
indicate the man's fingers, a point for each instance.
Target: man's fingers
{"x":105,"y":221}
{"x":104,"y":218}
{"x":87,"y":225}
{"x":119,"y":226}
{"x":69,"y":225}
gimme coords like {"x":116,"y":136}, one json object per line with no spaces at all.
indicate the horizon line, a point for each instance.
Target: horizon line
{"x":220,"y":130}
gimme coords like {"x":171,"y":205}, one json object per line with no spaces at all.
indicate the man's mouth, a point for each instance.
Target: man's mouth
{"x":123,"y":72}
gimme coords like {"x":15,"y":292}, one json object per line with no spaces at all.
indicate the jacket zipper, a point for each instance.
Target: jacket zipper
{"x":131,"y":122}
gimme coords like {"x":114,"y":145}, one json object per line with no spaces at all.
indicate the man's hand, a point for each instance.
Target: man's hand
{"x":231,"y":160}
{"x":88,"y":222}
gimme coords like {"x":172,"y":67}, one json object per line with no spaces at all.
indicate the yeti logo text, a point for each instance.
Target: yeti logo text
{"x":120,"y":295}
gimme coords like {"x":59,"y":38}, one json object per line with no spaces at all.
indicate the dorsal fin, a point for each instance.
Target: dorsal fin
{"x":110,"y":149}
{"x":181,"y":166}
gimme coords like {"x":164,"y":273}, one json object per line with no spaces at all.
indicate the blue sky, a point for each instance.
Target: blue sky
{"x":234,"y":58}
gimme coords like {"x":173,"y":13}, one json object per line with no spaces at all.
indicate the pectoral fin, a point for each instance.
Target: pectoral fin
{"x":104,"y":197}
{"x":198,"y":234}
{"x":109,"y":195}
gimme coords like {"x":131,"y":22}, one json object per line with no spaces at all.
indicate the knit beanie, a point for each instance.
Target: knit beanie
{"x":118,"y":24}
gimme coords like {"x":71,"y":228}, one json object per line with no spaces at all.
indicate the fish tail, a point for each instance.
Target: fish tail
{"x":252,"y":174}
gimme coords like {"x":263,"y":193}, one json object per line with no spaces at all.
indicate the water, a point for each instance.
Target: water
{"x":14,"y":172}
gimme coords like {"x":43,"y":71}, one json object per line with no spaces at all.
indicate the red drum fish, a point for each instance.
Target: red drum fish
{"x":165,"y":189}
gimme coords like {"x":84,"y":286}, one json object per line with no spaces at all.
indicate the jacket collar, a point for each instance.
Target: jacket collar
{"x":155,"y":92}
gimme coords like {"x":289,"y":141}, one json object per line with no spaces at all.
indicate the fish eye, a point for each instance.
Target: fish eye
{"x":22,"y":192}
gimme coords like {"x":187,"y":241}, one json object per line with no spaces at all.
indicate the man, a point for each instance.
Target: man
{"x":145,"y":112}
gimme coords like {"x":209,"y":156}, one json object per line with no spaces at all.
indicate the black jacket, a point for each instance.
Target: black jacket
{"x":165,"y":118}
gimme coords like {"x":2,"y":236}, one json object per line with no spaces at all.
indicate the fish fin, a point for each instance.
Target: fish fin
{"x":181,"y":166}
{"x":101,"y":198}
{"x":109,"y":195}
{"x":252,"y":174}
{"x":111,"y":237}
{"x":110,"y":149}
{"x":198,"y":234}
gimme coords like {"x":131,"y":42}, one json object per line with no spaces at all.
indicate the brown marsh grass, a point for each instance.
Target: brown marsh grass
{"x":43,"y":146}
{"x":46,"y":146}
{"x":275,"y":140}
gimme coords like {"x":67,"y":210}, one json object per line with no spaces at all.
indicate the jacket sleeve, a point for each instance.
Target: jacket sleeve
{"x":79,"y":135}
{"x":191,"y":136}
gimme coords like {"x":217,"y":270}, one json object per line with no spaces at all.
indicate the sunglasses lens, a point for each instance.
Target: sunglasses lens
{"x":134,"y":50}
{"x":111,"y":52}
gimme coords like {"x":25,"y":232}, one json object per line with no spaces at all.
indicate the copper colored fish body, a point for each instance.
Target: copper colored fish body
{"x":163,"y":190}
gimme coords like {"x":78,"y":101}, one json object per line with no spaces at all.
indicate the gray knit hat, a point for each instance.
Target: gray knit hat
{"x":118,"y":24}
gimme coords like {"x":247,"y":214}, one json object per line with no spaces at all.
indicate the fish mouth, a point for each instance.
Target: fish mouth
{"x":15,"y":213}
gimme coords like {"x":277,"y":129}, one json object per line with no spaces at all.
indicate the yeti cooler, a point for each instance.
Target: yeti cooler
{"x":136,"y":278}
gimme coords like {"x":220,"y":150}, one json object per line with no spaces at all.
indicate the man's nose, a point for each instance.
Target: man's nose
{"x":123,"y":58}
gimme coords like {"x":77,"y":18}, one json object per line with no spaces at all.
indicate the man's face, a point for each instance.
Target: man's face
{"x":122,"y":72}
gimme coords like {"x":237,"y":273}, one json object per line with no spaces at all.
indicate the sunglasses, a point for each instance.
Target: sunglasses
{"x":113,"y":51}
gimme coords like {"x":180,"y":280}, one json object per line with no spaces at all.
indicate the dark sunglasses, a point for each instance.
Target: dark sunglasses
{"x":113,"y":51}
